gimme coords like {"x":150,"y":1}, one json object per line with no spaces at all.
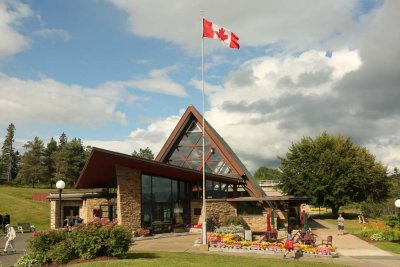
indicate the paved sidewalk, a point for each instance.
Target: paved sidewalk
{"x":352,"y":250}
{"x":20,"y":246}
{"x":347,"y":245}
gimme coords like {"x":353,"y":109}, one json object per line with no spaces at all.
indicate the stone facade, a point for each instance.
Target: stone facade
{"x":128,"y":197}
{"x":217,"y":207}
{"x":90,"y":204}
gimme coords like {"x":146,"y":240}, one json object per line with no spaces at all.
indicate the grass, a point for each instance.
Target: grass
{"x":393,"y":247}
{"x":354,"y":227}
{"x":17,"y":201}
{"x":161,"y":259}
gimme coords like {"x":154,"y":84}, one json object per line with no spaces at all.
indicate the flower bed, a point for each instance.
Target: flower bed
{"x":225,"y":242}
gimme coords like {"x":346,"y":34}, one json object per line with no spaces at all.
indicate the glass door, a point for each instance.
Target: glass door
{"x":162,"y":218}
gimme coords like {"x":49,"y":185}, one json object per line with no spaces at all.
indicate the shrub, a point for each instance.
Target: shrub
{"x":213,"y":222}
{"x":231,"y":229}
{"x":381,"y":235}
{"x":99,"y":238}
{"x":45,"y":240}
{"x":392,"y":221}
{"x":28,"y":260}
{"x":236,"y":220}
{"x":62,"y":252}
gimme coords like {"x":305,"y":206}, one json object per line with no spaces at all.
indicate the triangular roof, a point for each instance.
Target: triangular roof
{"x":184,"y":148}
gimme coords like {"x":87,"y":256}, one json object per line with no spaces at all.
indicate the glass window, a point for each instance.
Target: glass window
{"x":146,"y":188}
{"x":161,"y":189}
{"x":174,"y":190}
{"x":194,"y":127}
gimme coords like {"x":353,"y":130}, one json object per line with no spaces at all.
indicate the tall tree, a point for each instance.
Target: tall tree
{"x":265,"y":173}
{"x":63,"y":140}
{"x":144,"y":153}
{"x":33,"y":169}
{"x":76,"y":158}
{"x":51,"y":148}
{"x":8,"y":154}
{"x":333,"y":172}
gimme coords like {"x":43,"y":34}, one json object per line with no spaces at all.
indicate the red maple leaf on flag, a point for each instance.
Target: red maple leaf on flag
{"x":221,"y":34}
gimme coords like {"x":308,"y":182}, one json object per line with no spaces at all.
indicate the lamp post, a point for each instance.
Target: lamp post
{"x":60,"y":186}
{"x":397,"y":204}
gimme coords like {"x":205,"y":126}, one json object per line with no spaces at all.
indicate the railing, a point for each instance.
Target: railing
{"x":269,"y":183}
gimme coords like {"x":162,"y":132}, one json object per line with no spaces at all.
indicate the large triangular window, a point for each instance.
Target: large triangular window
{"x":188,"y":153}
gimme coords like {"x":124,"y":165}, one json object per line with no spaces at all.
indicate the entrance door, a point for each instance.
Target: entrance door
{"x":162,"y":218}
{"x":70,"y":214}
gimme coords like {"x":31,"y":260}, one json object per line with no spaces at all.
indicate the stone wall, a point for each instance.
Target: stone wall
{"x":128,"y":197}
{"x":216,"y":207}
{"x":90,"y":204}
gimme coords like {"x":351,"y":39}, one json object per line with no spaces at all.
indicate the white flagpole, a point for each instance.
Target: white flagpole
{"x":204,"y":171}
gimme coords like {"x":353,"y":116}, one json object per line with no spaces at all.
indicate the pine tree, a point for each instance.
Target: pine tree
{"x":49,"y":161}
{"x":33,"y":169}
{"x":8,"y":155}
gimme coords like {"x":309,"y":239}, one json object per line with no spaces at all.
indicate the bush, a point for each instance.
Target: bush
{"x":381,"y":235}
{"x":232,"y":229}
{"x":45,"y":240}
{"x":392,"y":221}
{"x":28,"y":260}
{"x":213,"y":222}
{"x":99,"y":238}
{"x":62,"y":253}
{"x":236,"y":220}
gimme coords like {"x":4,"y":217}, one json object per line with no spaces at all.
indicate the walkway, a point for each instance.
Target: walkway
{"x":20,"y":244}
{"x":352,"y":250}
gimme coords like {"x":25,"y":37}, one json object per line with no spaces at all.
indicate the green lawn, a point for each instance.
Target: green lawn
{"x":161,"y":259}
{"x":389,"y":246}
{"x":352,"y":226}
{"x":17,"y":201}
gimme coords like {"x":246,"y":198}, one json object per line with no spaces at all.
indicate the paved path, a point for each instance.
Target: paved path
{"x":352,"y":250}
{"x":20,"y":244}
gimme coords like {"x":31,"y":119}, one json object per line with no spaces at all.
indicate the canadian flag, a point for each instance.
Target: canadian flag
{"x":214,"y":31}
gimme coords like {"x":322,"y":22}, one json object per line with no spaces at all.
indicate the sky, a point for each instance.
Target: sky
{"x":119,"y":74}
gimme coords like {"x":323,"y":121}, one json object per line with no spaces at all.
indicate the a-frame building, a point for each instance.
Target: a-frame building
{"x":165,"y":194}
{"x":183,"y":148}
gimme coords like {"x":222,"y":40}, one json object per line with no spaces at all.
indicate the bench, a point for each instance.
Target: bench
{"x":25,"y":228}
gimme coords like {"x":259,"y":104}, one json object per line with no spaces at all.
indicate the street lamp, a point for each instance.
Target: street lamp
{"x":60,"y":186}
{"x":397,"y":204}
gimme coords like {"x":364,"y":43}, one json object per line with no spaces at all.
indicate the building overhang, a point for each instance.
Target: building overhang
{"x":99,"y":170}
{"x":270,"y":198}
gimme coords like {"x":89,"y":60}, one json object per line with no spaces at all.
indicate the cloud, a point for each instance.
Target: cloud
{"x":11,"y":15}
{"x":154,"y":137}
{"x":48,"y":101}
{"x":158,"y":81}
{"x":48,"y":33}
{"x":296,"y":25}
{"x":354,"y":92}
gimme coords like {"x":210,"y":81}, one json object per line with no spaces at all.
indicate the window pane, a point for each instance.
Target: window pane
{"x":174,"y":190}
{"x":146,"y":188}
{"x":194,"y":137}
{"x":161,"y":189}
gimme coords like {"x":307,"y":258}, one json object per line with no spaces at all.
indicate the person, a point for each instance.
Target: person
{"x":340,"y":221}
{"x":11,"y":235}
{"x":288,"y":243}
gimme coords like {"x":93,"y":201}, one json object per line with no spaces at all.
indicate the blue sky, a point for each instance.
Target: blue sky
{"x":119,"y":73}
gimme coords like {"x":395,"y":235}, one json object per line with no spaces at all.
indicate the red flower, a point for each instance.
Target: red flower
{"x":89,"y":231}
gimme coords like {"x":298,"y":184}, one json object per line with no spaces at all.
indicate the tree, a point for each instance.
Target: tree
{"x":333,"y":172}
{"x":33,"y":169}
{"x":51,"y":148}
{"x":144,"y":153}
{"x":265,"y":173}
{"x":8,"y":163}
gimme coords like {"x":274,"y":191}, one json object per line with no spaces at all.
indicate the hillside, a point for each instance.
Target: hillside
{"x":17,"y":202}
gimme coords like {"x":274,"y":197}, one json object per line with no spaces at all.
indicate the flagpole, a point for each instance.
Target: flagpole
{"x":204,"y":228}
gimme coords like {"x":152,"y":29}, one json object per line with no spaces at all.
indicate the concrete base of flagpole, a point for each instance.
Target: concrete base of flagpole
{"x":204,"y":233}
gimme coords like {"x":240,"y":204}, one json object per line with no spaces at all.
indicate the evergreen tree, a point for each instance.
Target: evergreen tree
{"x":76,"y":158}
{"x":63,"y":140}
{"x":8,"y":155}
{"x":33,"y":169}
{"x":49,"y":161}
